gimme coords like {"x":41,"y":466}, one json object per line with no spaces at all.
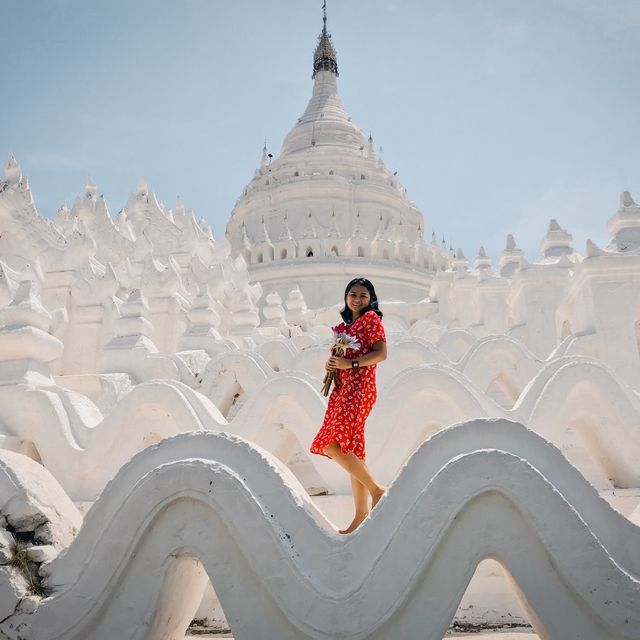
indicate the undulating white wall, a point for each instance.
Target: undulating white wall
{"x":118,"y":334}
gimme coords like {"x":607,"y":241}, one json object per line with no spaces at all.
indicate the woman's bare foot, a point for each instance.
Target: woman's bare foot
{"x":358,"y":519}
{"x":376,"y":495}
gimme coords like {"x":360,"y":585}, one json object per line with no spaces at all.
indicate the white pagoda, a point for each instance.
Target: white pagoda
{"x":327,"y":209}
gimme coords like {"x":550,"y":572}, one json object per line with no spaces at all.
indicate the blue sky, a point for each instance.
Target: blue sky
{"x":497,"y":114}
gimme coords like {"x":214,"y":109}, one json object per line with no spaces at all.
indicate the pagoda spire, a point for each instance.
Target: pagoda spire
{"x":324,"y":57}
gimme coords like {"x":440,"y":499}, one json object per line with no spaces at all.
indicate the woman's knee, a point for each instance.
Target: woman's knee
{"x":332,"y":448}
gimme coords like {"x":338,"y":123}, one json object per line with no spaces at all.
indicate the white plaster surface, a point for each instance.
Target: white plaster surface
{"x":214,"y":503}
{"x":84,"y":387}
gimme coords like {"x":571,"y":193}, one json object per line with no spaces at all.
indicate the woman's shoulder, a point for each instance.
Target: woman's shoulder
{"x":372,"y":315}
{"x":372,"y":320}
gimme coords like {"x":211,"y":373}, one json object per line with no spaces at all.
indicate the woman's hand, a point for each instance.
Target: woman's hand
{"x":336,"y":362}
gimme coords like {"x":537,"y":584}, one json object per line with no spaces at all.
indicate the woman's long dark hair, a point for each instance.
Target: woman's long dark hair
{"x":346,"y":313}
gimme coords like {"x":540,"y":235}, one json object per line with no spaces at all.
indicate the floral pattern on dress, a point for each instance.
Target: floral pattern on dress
{"x":354,"y":393}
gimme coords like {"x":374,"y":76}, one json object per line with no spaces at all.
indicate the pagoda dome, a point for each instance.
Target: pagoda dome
{"x":326,"y":170}
{"x":325,"y":129}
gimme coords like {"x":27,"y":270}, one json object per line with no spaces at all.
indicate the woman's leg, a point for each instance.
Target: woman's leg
{"x":357,"y":468}
{"x":360,"y":496}
{"x":361,"y":504}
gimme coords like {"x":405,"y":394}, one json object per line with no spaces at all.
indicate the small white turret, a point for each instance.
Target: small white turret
{"x":274,"y":313}
{"x":460,"y":262}
{"x":12,"y":170}
{"x":625,"y":225}
{"x":26,"y":348}
{"x":510,"y":257}
{"x":90,"y":189}
{"x":557,"y":241}
{"x":204,"y":321}
{"x":64,"y":221}
{"x":244,"y":316}
{"x":141,"y":188}
{"x":132,"y":329}
{"x":482,"y":261}
{"x":296,"y":307}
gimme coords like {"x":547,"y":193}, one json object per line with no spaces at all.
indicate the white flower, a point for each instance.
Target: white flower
{"x":344,"y":341}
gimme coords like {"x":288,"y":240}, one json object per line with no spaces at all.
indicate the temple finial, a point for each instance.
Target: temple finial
{"x":324,"y":57}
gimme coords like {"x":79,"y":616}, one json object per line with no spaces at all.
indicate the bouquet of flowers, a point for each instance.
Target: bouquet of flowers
{"x":341,"y":342}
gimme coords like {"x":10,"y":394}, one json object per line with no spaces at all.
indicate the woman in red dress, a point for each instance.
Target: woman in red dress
{"x":341,"y":436}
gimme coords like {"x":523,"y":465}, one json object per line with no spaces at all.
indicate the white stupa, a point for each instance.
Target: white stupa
{"x":327,"y":209}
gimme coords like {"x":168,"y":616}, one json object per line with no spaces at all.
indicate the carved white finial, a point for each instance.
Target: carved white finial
{"x":179,"y":206}
{"x":26,"y":308}
{"x":333,"y":232}
{"x":510,"y":258}
{"x":624,"y":225}
{"x":296,"y":307}
{"x":264,"y":159}
{"x":90,"y":188}
{"x":482,"y":261}
{"x":557,"y":241}
{"x":626,"y":200}
{"x":12,"y":170}
{"x":24,"y":326}
{"x":273,"y":311}
{"x":593,"y":250}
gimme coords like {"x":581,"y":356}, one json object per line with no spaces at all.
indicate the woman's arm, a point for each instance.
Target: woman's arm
{"x":377,"y":354}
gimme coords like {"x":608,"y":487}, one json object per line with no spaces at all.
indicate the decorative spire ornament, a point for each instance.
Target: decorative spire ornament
{"x":380,"y":231}
{"x":309,"y":228}
{"x":324,"y":57}
{"x":333,"y":232}
{"x":246,"y":243}
{"x":264,"y":237}
{"x":286,"y":231}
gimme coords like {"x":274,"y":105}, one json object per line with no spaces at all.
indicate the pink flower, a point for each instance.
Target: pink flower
{"x":341,"y":328}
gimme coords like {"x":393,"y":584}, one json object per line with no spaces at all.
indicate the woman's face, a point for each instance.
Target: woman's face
{"x":358,"y":298}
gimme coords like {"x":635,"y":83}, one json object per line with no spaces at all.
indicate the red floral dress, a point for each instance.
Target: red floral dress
{"x":354,"y":393}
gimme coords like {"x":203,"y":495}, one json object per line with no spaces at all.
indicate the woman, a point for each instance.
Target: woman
{"x":341,"y":436}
